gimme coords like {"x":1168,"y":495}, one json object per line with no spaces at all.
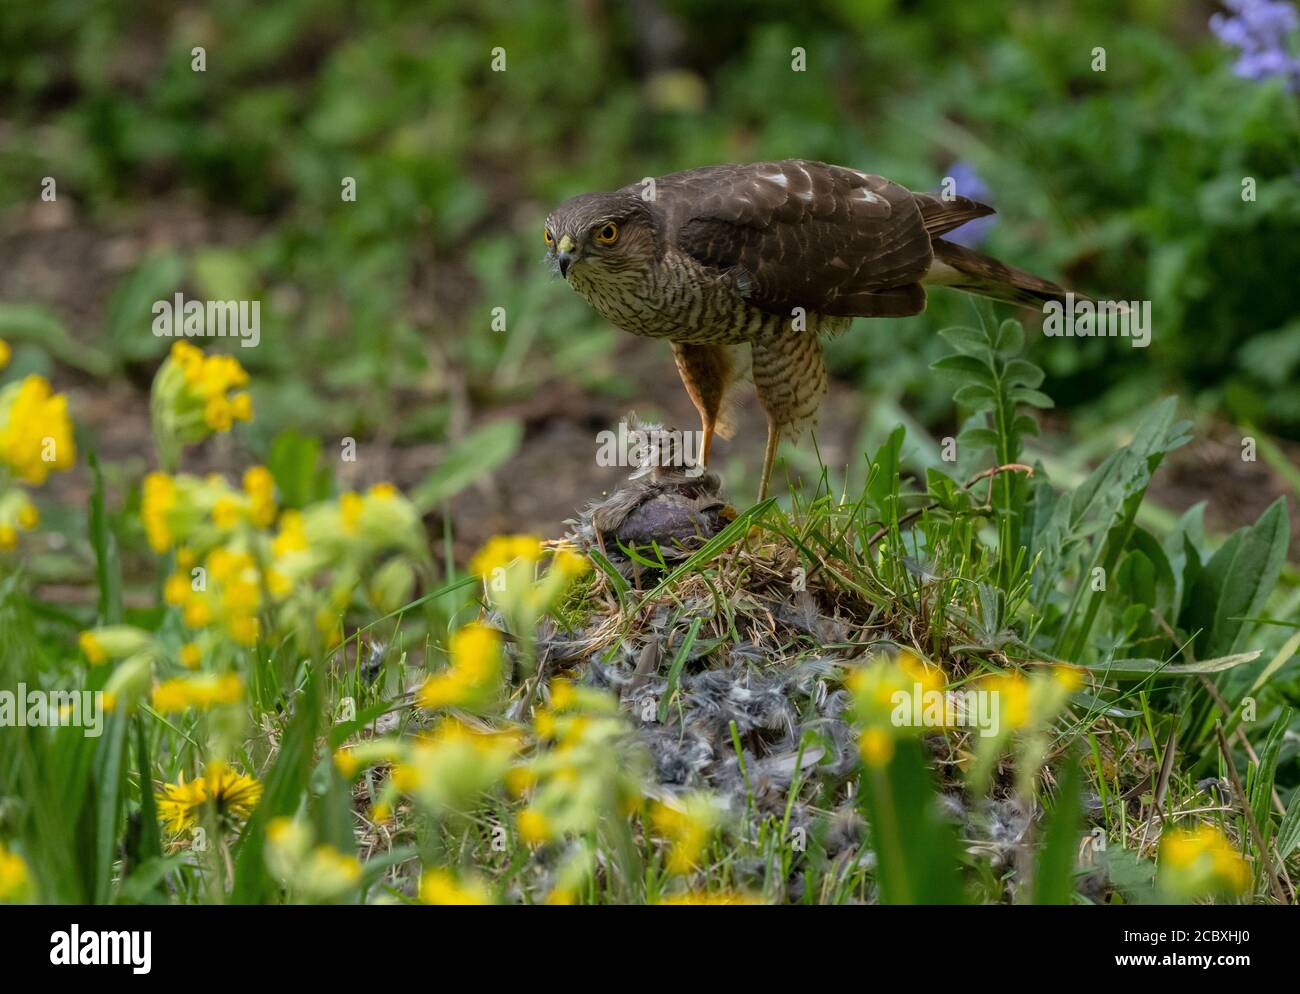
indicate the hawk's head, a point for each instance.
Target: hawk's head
{"x":599,"y":233}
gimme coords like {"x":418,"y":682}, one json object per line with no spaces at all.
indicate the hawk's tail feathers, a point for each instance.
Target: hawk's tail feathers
{"x":965,"y":269}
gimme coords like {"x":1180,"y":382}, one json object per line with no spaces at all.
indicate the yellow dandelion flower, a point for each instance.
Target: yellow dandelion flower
{"x":232,"y":797}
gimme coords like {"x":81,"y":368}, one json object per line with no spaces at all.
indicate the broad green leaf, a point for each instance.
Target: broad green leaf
{"x":469,"y":460}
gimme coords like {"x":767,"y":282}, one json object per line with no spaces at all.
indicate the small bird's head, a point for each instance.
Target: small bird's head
{"x":599,"y":232}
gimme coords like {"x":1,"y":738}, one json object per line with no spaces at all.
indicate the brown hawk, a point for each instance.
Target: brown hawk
{"x":771,"y":255}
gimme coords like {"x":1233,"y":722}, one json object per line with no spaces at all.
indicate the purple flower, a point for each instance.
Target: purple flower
{"x":1259,"y":30}
{"x":965,"y":182}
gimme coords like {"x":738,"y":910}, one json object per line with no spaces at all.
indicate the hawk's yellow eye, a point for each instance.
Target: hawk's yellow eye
{"x":548,"y":237}
{"x":608,"y":234}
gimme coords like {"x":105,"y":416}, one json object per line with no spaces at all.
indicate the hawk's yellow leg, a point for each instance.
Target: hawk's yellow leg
{"x":790,"y":380}
{"x":708,"y":372}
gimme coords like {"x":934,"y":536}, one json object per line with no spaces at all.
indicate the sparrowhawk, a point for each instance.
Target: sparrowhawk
{"x":773,"y":255}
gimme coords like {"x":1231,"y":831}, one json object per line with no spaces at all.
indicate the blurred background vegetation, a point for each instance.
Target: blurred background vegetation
{"x":376,"y":314}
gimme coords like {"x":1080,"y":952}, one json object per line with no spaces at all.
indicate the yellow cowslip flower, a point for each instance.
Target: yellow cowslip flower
{"x":441,"y":887}
{"x":503,"y":550}
{"x":191,"y":656}
{"x":688,"y":826}
{"x":91,"y":648}
{"x":259,"y":485}
{"x":35,"y":432}
{"x":114,"y":642}
{"x":6,"y":353}
{"x":474,"y":676}
{"x":347,"y":763}
{"x":351,"y":504}
{"x":232,"y":796}
{"x":292,"y":536}
{"x":159,"y":497}
{"x":320,"y":873}
{"x":14,"y":876}
{"x":451,"y":768}
{"x":876,"y":746}
{"x":192,"y":398}
{"x":1069,"y":677}
{"x":17,"y":514}
{"x":533,"y":826}
{"x":570,"y":564}
{"x":1201,"y":862}
{"x":329,"y":872}
{"x":200,"y":691}
{"x":1012,"y":693}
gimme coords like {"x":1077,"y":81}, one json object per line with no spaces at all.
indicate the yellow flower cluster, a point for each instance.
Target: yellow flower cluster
{"x":35,"y":431}
{"x":245,"y":567}
{"x":318,"y":873}
{"x":13,"y":877}
{"x":230,"y":595}
{"x":439,"y":886}
{"x":473,"y":680}
{"x":200,"y":691}
{"x":448,"y":771}
{"x":889,"y":695}
{"x":35,"y":439}
{"x":232,"y":797}
{"x":187,"y":509}
{"x":689,"y":824}
{"x":588,"y":769}
{"x":507,"y":565}
{"x":1201,"y":862}
{"x":210,"y":382}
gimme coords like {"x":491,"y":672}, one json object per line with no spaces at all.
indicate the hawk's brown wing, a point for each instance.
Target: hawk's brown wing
{"x":803,"y":234}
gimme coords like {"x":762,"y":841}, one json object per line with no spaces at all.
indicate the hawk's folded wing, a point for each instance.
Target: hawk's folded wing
{"x":804,"y":234}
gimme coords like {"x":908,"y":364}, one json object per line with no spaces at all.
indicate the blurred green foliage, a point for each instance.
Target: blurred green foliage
{"x":1125,"y":183}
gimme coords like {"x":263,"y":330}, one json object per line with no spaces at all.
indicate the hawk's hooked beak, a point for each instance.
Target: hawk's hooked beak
{"x":565,"y":255}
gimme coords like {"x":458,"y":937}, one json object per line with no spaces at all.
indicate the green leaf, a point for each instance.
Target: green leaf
{"x":966,"y":340}
{"x":1237,"y":581}
{"x":1054,"y":873}
{"x":108,"y":570}
{"x":469,"y":460}
{"x":964,"y":364}
{"x":1022,"y":373}
{"x":675,"y":670}
{"x":984,"y":438}
{"x":1145,"y":667}
{"x":1010,"y":339}
{"x":40,"y":326}
{"x":976,"y":396}
{"x":917,"y":859}
{"x":294,"y":462}
{"x":1288,"y":833}
{"x":130,"y":308}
